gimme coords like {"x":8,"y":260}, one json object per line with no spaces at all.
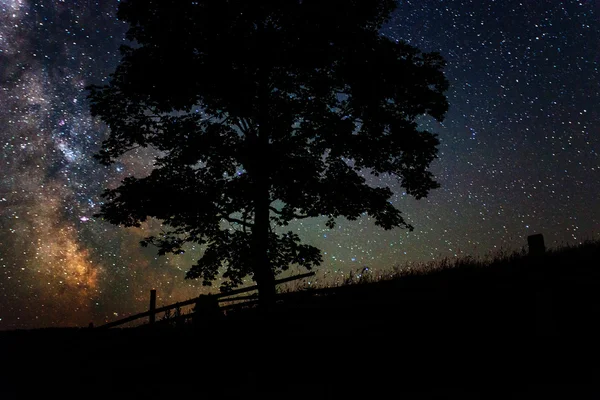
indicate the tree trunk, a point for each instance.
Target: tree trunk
{"x":263,"y":273}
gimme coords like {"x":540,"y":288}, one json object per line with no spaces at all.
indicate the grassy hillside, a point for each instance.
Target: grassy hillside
{"x":516,"y":326}
{"x":554,"y":294}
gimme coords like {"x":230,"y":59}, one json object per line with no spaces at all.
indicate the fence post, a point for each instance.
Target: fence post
{"x":206,"y":309}
{"x":152,"y":316}
{"x":536,"y":245}
{"x":542,"y":288}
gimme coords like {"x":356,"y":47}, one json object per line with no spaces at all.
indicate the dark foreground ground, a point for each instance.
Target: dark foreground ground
{"x":521,"y":328}
{"x":253,"y":363}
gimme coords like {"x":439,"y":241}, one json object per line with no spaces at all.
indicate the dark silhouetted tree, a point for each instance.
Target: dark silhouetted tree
{"x":262,"y":112}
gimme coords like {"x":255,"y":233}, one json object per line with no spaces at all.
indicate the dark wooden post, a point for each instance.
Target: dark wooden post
{"x":544,"y":318}
{"x":536,"y":245}
{"x":206,"y":309}
{"x":152,"y":317}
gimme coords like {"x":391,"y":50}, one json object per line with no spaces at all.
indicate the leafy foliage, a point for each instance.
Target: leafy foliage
{"x":252,"y":104}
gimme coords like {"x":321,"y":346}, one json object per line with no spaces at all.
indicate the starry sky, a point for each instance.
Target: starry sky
{"x":518,"y":154}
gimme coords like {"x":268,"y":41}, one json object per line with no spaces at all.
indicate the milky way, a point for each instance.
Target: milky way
{"x":519,"y":154}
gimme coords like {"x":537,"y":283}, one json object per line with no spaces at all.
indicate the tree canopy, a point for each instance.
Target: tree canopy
{"x":260,"y":113}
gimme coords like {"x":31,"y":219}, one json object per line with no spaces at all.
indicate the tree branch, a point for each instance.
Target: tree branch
{"x":237,"y":221}
{"x":132,"y":148}
{"x":298,"y":216}
{"x":107,"y":158}
{"x":239,"y":125}
{"x":247,"y":125}
{"x":245,"y":219}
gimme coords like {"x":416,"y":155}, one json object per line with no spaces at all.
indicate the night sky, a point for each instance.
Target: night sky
{"x":519,"y":154}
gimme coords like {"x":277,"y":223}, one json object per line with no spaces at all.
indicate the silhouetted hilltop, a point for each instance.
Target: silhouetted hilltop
{"x":550,"y":294}
{"x":518,"y":326}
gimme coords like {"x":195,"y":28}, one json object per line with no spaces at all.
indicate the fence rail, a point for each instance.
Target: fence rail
{"x":219,"y":297}
{"x":536,"y":248}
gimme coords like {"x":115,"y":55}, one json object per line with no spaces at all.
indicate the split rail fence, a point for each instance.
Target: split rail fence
{"x":207,"y":301}
{"x":211,"y":303}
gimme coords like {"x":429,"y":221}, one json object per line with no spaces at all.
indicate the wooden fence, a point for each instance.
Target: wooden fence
{"x":203,"y":299}
{"x":536,"y":248}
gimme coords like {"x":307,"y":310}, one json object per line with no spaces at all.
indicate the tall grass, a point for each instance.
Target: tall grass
{"x":583,"y":255}
{"x":505,"y":292}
